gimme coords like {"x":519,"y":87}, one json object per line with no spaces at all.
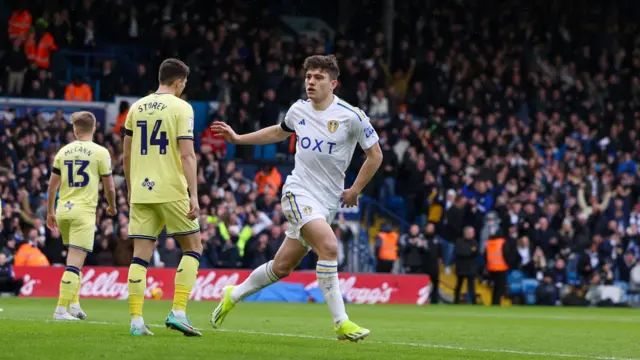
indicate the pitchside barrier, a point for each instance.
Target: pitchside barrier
{"x":300,"y":286}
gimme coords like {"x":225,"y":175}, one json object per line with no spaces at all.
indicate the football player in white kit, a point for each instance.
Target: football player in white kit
{"x":327,"y":131}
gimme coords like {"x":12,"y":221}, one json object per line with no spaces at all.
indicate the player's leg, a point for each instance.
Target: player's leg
{"x":76,"y":254}
{"x":187,"y":232}
{"x":319,"y":235}
{"x":287,"y":258}
{"x":144,"y":226}
{"x":82,"y":238}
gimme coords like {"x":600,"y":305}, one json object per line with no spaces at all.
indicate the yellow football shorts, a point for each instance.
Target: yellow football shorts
{"x":77,"y":226}
{"x":147,"y":220}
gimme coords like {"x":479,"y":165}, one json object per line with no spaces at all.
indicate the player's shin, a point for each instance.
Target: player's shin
{"x":137,"y":287}
{"x":68,"y":285}
{"x":327,"y":275}
{"x":76,"y":296}
{"x":184,"y":281}
{"x":260,"y":278}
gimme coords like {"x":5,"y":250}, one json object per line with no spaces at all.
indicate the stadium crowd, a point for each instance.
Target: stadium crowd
{"x":488,"y":118}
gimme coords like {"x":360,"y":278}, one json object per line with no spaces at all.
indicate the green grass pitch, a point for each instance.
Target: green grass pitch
{"x":303,"y":331}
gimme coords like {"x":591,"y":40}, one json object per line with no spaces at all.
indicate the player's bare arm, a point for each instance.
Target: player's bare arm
{"x":54,"y":184}
{"x":110,"y":194}
{"x":190,"y":168}
{"x":268,"y":135}
{"x":368,"y":169}
{"x":127,"y":164}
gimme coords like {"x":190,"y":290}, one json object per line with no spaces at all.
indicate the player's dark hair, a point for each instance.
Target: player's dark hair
{"x":172,"y":70}
{"x":328,"y":63}
{"x":83,"y":121}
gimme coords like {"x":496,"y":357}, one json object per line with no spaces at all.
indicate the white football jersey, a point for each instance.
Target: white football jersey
{"x":325,"y":142}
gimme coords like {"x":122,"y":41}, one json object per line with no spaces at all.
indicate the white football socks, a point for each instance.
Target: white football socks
{"x":137,"y":322}
{"x":260,"y":278}
{"x":327,"y":274}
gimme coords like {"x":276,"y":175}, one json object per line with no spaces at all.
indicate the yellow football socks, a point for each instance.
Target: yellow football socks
{"x":137,"y":286}
{"x":185,"y":279}
{"x":68,"y":286}
{"x":76,"y":295}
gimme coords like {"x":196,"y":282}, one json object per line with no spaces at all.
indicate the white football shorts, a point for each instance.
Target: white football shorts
{"x":300,"y":208}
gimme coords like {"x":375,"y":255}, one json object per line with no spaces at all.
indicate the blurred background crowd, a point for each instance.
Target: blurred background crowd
{"x":505,"y":122}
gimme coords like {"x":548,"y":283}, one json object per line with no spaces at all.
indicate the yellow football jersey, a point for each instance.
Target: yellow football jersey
{"x":81,"y":165}
{"x":156,"y":123}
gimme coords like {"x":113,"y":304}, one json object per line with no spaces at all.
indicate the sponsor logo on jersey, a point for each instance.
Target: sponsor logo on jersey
{"x":148,"y":184}
{"x":332,"y":125}
{"x":318,"y":145}
{"x":369,"y":131}
{"x":301,"y":122}
{"x":307,"y":210}
{"x":68,"y":205}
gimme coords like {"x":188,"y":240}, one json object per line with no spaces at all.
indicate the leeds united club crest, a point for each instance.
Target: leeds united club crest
{"x":332,"y":125}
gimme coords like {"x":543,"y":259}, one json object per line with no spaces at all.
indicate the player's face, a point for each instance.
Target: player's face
{"x":318,"y":84}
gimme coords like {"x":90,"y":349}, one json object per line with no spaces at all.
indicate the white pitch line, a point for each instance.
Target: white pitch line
{"x":421,"y":345}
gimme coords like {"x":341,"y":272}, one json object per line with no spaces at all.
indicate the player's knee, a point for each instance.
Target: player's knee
{"x":328,"y":250}
{"x":282,"y":269}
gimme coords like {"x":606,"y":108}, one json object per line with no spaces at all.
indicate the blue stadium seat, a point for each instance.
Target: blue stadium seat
{"x":514,"y":282}
{"x":257,"y":152}
{"x":269,"y":152}
{"x":529,"y":285}
{"x":396,"y":204}
{"x":231,"y":151}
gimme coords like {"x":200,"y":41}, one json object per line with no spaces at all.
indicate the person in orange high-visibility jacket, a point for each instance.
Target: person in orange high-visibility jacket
{"x":497,"y":266}
{"x":30,"y":255}
{"x":268,"y":180}
{"x":78,"y":90}
{"x":387,"y":244}
{"x":19,"y":25}
{"x":30,"y":47}
{"x":43,"y":53}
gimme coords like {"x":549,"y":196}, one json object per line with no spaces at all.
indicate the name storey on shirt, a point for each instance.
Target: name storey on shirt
{"x":153,"y":105}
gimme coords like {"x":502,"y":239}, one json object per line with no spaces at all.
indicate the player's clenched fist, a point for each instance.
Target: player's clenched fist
{"x":221,"y":129}
{"x":349,"y":198}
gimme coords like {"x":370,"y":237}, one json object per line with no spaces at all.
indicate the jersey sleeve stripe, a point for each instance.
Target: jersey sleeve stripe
{"x":350,"y":109}
{"x":105,"y":175}
{"x":286,"y":128}
{"x":185,"y":137}
{"x":56,"y":171}
{"x":128,"y":132}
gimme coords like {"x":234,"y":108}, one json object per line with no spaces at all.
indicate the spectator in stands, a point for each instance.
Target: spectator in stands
{"x":546,"y":291}
{"x":466,"y":251}
{"x":78,"y":90}
{"x":170,"y":255}
{"x":20,"y":24}
{"x":16,"y":68}
{"x":414,"y":250}
{"x":8,"y":281}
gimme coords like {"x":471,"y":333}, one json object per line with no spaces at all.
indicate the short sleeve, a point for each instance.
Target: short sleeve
{"x":56,"y":164}
{"x":128,"y":124}
{"x":105,"y":164}
{"x":287,"y":122}
{"x":185,"y":123}
{"x":363,"y":131}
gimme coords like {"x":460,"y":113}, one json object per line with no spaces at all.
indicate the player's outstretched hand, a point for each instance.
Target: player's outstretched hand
{"x":51,"y":222}
{"x":112,"y":211}
{"x":221,"y":129}
{"x":194,"y":208}
{"x":349,"y":198}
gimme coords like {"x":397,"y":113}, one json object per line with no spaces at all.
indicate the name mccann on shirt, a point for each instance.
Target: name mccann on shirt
{"x":153,"y":105}
{"x":77,"y":149}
